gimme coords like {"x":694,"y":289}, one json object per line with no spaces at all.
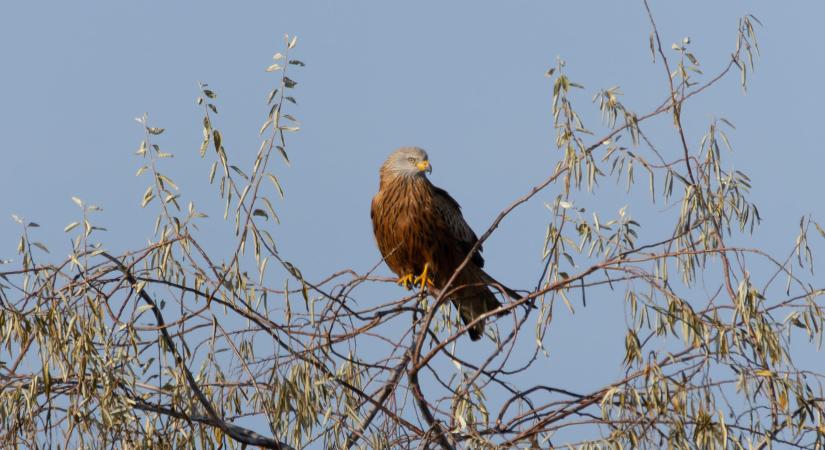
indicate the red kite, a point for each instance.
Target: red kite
{"x":420,"y":231}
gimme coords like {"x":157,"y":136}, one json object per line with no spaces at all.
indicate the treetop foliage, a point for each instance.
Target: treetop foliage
{"x":169,"y":346}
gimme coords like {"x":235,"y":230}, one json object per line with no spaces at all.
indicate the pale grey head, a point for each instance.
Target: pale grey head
{"x":408,"y":162}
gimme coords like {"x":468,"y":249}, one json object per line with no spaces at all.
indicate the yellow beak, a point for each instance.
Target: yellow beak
{"x":425,"y":166}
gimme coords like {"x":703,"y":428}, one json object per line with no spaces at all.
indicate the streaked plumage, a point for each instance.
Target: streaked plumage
{"x":416,"y":223}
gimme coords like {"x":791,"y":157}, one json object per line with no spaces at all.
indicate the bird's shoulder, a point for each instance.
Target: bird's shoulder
{"x":446,"y":198}
{"x":450,"y":211}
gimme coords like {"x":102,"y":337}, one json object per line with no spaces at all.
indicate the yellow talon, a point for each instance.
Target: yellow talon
{"x":406,"y":281}
{"x":423,"y":280}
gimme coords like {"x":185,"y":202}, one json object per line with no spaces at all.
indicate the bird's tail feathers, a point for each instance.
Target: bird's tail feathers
{"x":496,"y":286}
{"x":474,"y":296}
{"x":473,"y":301}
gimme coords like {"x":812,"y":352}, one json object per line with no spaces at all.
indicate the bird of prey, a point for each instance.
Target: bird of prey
{"x":420,"y":231}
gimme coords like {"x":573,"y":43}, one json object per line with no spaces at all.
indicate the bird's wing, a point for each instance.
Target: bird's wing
{"x":450,"y":211}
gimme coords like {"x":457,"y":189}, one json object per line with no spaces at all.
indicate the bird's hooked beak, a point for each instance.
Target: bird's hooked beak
{"x":425,"y":166}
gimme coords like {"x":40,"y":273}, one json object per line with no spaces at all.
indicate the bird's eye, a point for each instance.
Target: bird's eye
{"x":412,"y":160}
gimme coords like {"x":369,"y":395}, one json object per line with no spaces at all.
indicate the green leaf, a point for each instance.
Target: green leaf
{"x":277,"y":184}
{"x":216,"y":139}
{"x":268,"y":205}
{"x":283,"y":153}
{"x":147,"y":197}
{"x":239,"y":172}
{"x":212,"y":172}
{"x":819,"y":229}
{"x":168,"y":181}
{"x":243,"y":195}
{"x":266,"y":124}
{"x":271,"y":96}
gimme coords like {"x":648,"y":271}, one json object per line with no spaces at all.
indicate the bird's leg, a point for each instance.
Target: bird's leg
{"x":406,"y":281}
{"x":423,"y":280}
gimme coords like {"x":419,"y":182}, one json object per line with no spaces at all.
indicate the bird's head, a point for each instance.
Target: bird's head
{"x":408,"y":162}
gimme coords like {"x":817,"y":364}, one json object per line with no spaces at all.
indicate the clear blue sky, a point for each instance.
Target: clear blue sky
{"x":464,"y":80}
